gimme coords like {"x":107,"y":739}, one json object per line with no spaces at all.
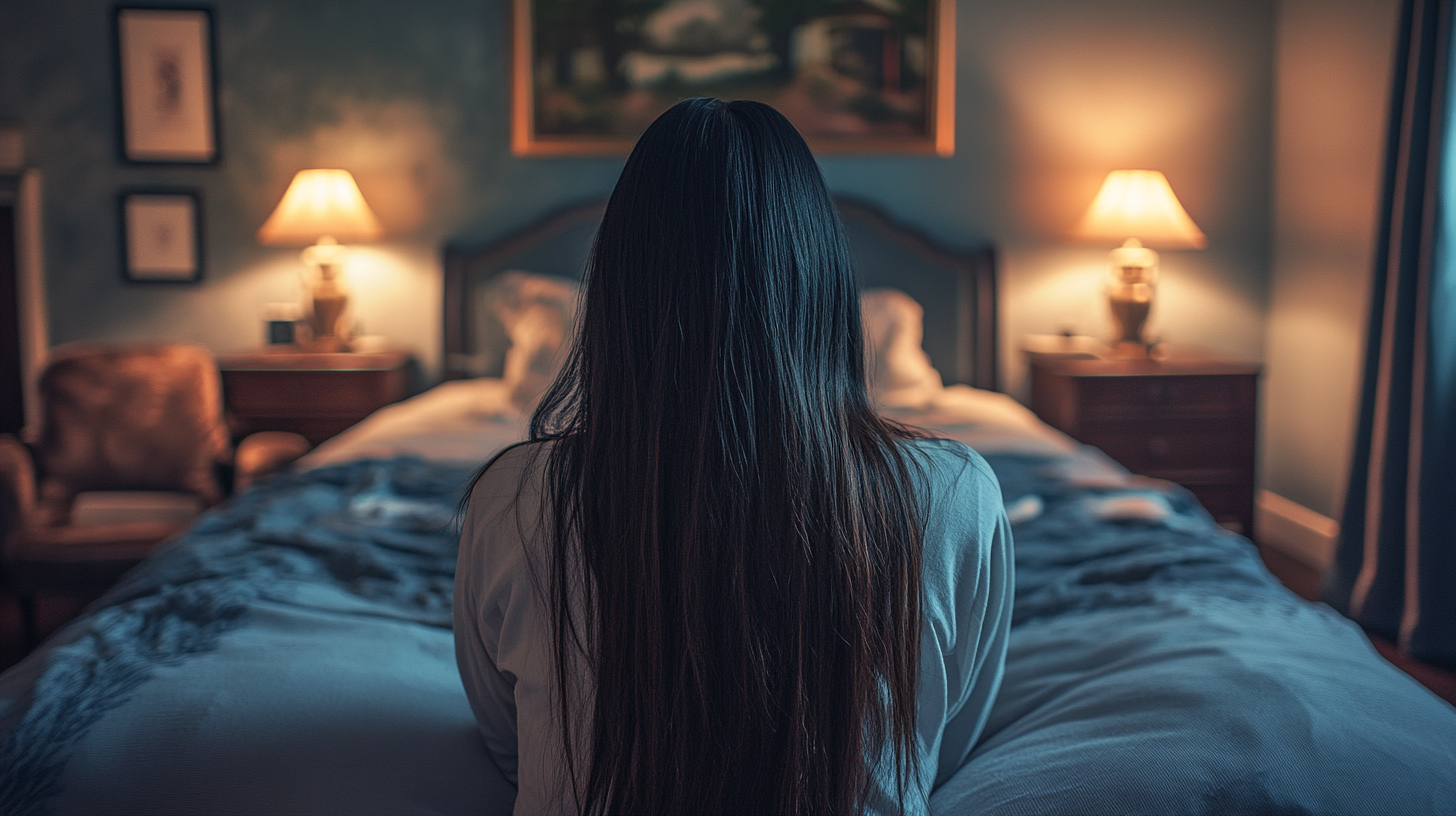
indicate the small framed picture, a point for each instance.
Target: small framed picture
{"x":161,"y":235}
{"x":168,"y":85}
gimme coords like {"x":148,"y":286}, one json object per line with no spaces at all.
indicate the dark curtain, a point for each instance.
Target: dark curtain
{"x":1395,"y":568}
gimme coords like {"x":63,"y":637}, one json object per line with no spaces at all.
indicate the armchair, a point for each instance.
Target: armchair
{"x":130,"y":449}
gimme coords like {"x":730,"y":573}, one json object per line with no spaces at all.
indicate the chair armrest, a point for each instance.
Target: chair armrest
{"x":263,"y":453}
{"x":17,"y":485}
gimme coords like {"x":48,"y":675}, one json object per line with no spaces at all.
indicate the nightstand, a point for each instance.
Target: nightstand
{"x":1188,"y":419}
{"x":314,"y":394}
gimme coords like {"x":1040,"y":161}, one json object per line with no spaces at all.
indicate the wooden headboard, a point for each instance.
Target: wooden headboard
{"x":957,"y":289}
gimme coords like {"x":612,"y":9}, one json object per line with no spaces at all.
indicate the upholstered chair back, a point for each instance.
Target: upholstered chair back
{"x":134,"y":418}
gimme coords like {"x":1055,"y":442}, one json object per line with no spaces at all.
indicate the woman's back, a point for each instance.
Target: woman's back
{"x":502,"y":625}
{"x":730,"y":576}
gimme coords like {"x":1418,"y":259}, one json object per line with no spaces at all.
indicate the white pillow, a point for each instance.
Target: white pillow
{"x":899,"y":372}
{"x":539,"y":316}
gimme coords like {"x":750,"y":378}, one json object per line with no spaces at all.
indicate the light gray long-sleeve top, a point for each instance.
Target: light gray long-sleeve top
{"x":503,"y":626}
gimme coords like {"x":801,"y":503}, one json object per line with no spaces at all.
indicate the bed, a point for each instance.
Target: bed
{"x":292,"y":653}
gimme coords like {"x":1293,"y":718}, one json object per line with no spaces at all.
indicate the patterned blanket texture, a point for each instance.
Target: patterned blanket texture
{"x":1098,"y":541}
{"x":376,"y":531}
{"x":1141,"y":629}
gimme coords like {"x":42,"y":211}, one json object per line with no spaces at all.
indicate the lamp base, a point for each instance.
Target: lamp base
{"x":1126,"y":350}
{"x":1131,"y":314}
{"x":1131,"y":286}
{"x":326,"y":317}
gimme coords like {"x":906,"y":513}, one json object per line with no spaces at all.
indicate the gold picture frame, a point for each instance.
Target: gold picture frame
{"x":855,"y":76}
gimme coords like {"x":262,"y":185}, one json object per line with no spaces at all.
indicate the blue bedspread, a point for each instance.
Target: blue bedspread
{"x":292,"y":654}
{"x":283,"y":623}
{"x":1157,"y":667}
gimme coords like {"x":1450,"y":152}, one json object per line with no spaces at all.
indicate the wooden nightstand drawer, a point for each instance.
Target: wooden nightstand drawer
{"x":324,"y":393}
{"x":1160,"y":445}
{"x":1208,"y":397}
{"x":313,"y":394}
{"x":1188,"y":420}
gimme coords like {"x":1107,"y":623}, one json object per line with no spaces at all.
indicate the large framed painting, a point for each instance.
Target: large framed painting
{"x":855,"y":76}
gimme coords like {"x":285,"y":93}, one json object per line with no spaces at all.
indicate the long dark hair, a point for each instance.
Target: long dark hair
{"x":736,"y":527}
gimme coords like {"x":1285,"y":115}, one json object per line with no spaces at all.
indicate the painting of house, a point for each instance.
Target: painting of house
{"x":853,"y":75}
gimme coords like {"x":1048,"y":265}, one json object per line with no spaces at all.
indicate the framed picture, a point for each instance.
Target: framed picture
{"x":854,"y":76}
{"x":168,"y":85}
{"x":161,"y":235}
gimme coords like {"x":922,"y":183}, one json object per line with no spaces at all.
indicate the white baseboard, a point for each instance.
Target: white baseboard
{"x":1295,"y":530}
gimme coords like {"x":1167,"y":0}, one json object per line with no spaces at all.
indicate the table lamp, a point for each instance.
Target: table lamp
{"x":321,"y":208}
{"x":1138,"y":208}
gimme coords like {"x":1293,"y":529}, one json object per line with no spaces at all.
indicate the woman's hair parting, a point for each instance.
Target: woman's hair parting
{"x":734,"y":533}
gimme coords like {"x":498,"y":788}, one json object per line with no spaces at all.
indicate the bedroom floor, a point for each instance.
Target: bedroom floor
{"x":53,"y":611}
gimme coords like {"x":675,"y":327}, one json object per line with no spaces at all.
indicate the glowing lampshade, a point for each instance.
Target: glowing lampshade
{"x":1136,"y":207}
{"x":320,"y":203}
{"x":323,"y":206}
{"x":1140,"y":204}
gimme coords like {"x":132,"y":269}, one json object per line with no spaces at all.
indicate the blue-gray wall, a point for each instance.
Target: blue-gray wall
{"x":413,"y":98}
{"x":1333,"y":85}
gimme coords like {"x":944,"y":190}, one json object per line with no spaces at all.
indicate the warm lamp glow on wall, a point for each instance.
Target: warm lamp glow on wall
{"x":1138,"y":206}
{"x":323,"y":208}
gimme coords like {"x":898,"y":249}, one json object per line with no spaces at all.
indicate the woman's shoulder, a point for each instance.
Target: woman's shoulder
{"x":519,"y":455}
{"x":504,"y":504}
{"x":505,"y":472}
{"x":951,"y":465}
{"x":962,"y":498}
{"x":501,"y":517}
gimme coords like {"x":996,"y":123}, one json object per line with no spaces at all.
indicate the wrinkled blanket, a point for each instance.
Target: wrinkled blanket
{"x":292,"y":654}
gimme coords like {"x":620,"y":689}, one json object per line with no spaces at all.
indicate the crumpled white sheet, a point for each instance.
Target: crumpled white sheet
{"x":469,"y":420}
{"x":988,"y":421}
{"x":456,"y":421}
